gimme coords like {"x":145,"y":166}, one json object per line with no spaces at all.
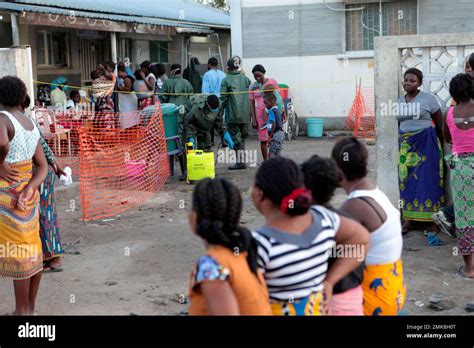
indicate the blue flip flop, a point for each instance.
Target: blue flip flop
{"x":433,"y":240}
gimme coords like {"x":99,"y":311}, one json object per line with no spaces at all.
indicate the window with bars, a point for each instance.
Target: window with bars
{"x":159,"y":51}
{"x":52,"y":49}
{"x":398,"y":18}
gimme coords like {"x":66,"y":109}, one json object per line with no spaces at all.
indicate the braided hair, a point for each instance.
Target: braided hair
{"x":218,"y":205}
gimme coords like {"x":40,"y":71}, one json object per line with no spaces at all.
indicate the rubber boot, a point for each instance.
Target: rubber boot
{"x":240,"y":158}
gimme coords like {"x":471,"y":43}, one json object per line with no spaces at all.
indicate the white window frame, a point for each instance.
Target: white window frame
{"x":48,"y":64}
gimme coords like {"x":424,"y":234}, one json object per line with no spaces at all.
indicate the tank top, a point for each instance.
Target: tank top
{"x":386,"y":242}
{"x":24,"y":143}
{"x":463,"y":139}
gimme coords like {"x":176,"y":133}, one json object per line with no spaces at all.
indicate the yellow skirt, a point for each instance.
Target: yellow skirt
{"x":311,"y":305}
{"x":20,"y":243}
{"x":384,"y":289}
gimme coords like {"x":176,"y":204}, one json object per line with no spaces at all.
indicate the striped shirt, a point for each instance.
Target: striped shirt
{"x":295,"y":266}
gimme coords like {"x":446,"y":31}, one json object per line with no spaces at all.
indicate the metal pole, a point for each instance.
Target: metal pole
{"x":15,"y":32}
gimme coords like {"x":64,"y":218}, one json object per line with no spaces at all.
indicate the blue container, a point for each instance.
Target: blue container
{"x":315,"y":127}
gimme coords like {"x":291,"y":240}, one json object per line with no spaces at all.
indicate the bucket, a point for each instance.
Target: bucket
{"x":135,"y":169}
{"x":315,"y":127}
{"x":283,"y":90}
{"x":170,"y":120}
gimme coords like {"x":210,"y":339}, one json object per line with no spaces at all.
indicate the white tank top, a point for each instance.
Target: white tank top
{"x":386,"y":242}
{"x":24,"y":143}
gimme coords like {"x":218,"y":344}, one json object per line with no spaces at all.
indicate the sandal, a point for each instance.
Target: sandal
{"x":50,"y":269}
{"x":462,"y":273}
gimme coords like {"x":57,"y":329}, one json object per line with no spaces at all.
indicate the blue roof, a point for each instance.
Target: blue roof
{"x":167,"y":12}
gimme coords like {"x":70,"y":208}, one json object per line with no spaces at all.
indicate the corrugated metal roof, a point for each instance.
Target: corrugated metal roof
{"x":129,"y":19}
{"x":176,"y":10}
{"x":111,"y":17}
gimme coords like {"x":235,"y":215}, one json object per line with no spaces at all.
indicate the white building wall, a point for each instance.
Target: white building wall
{"x":320,"y":86}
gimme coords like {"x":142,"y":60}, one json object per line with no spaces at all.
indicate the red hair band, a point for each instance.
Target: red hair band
{"x":290,"y":199}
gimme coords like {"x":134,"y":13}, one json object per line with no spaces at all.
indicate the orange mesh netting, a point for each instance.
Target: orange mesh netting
{"x":361,"y":117}
{"x":121,"y":168}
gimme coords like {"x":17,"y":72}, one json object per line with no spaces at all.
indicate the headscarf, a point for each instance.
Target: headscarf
{"x":60,"y":81}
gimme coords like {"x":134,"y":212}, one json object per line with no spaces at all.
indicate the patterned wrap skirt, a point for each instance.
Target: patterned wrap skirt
{"x":20,"y":244}
{"x":49,"y":228}
{"x":421,"y":174}
{"x":384,"y":289}
{"x":462,"y":183}
{"x":310,"y":305}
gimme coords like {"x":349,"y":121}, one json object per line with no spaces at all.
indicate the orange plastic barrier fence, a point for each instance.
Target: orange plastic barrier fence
{"x":361,"y":117}
{"x":121,"y":168}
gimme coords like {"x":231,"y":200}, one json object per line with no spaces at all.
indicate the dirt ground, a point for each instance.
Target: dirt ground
{"x":139,"y":263}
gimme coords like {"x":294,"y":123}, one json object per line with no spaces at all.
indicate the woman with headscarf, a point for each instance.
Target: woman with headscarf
{"x":191,"y":73}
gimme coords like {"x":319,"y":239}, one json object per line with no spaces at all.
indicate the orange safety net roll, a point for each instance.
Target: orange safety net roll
{"x":121,"y":168}
{"x":361,"y":117}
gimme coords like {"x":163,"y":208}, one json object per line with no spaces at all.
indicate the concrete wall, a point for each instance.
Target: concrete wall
{"x":320,"y":86}
{"x":288,"y":31}
{"x":17,"y":62}
{"x":387,"y":83}
{"x":441,"y":16}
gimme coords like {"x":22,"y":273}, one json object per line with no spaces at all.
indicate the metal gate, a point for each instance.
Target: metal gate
{"x":92,"y":52}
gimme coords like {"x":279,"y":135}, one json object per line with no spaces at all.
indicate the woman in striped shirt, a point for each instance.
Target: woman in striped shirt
{"x":296,"y":241}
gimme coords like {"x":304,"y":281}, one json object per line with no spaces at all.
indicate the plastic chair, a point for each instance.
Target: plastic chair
{"x":51,"y":130}
{"x":180,"y":152}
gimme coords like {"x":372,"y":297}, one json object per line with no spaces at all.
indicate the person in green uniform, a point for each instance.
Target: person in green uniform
{"x":177,"y":90}
{"x":235,"y":102}
{"x":205,"y":113}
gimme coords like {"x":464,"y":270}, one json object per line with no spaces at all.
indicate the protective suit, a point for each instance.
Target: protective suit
{"x":201,"y":119}
{"x":236,"y":103}
{"x":177,"y":90}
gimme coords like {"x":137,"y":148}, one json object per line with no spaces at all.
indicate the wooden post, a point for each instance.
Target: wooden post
{"x":113,"y":46}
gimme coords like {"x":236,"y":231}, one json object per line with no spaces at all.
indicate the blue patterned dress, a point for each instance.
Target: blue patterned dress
{"x":49,"y":228}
